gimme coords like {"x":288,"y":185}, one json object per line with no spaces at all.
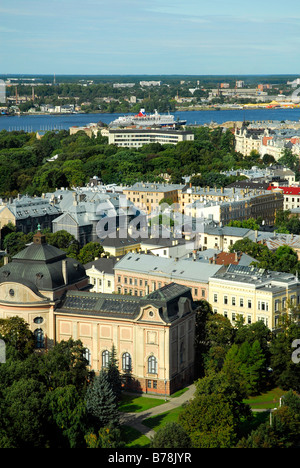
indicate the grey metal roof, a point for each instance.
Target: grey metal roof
{"x":169,"y":300}
{"x":41,"y":266}
{"x":168,"y":267}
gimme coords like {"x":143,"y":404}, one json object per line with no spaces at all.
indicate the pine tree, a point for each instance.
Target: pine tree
{"x":113,"y":374}
{"x":101,"y":402}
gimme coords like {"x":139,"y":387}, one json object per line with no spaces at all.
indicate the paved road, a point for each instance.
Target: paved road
{"x":135,"y":420}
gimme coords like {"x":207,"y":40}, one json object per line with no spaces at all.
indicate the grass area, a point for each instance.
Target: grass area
{"x":155,"y":422}
{"x":136,"y":404}
{"x":134,"y":438}
{"x":179,"y":393}
{"x":268,"y":400}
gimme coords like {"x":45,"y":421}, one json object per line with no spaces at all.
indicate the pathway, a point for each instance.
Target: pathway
{"x":135,"y":420}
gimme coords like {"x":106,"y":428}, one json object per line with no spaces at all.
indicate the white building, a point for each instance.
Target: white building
{"x":135,"y":138}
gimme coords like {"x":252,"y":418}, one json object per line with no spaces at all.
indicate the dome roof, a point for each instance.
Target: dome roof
{"x":43,"y":266}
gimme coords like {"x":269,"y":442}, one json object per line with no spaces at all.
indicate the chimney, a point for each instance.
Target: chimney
{"x":64,"y":271}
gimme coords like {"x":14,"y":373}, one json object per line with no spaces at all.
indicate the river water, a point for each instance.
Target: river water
{"x":33,"y":123}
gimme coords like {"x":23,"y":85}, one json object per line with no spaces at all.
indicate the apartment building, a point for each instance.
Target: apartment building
{"x":141,"y":274}
{"x":147,"y":196}
{"x":291,"y":196}
{"x":248,"y":139}
{"x":101,"y":274}
{"x":137,"y":137}
{"x":254,"y":294}
{"x":229,"y":204}
{"x":26,"y":213}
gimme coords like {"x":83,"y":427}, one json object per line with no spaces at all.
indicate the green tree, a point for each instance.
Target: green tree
{"x":68,"y":414}
{"x":65,"y":364}
{"x":108,"y":437}
{"x":15,"y":332}
{"x":113,"y":374}
{"x":209,"y":422}
{"x":89,"y":252}
{"x":171,"y":435}
{"x":285,"y":372}
{"x":26,"y":413}
{"x":101,"y":402}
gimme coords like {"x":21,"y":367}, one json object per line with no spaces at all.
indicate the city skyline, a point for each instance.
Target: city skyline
{"x":137,"y":37}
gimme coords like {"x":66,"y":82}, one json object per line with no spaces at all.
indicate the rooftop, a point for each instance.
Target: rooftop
{"x":181,"y":269}
{"x":170,"y":300}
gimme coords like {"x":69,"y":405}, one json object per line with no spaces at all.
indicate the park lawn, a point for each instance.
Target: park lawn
{"x":268,"y":400}
{"x":136,"y":404}
{"x":133,"y":438}
{"x":155,"y":422}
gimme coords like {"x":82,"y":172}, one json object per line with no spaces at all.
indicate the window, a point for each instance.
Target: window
{"x":241,"y":302}
{"x":38,"y":320}
{"x":262,"y":305}
{"x":196,"y":292}
{"x":105,"y":359}
{"x":87,"y":355}
{"x":249,"y":304}
{"x":39,"y":338}
{"x":152,"y":365}
{"x":126,"y":362}
{"x":225,"y":300}
{"x":215,"y":297}
{"x":233,"y":301}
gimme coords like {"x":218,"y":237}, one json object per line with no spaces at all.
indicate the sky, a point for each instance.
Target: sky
{"x":157,"y":37}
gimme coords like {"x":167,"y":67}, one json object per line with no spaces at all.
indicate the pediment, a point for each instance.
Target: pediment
{"x":150,"y":314}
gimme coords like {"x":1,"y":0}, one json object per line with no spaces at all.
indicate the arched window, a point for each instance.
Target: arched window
{"x":152,"y":365}
{"x":105,"y":359}
{"x":87,"y":355}
{"x":39,"y":338}
{"x":126,"y":362}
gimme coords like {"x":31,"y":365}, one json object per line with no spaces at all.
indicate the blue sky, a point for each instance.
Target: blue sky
{"x":149,"y":37}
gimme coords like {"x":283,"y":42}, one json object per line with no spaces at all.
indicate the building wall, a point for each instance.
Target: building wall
{"x":241,"y":295}
{"x":138,"y":138}
{"x":102,"y":282}
{"x":145,"y":337}
{"x":148,"y":200}
{"x":141,"y":284}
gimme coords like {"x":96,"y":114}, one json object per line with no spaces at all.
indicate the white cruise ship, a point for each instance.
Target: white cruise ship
{"x":144,"y":120}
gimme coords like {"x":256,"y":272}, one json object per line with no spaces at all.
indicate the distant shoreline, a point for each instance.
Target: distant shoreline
{"x":182,"y":109}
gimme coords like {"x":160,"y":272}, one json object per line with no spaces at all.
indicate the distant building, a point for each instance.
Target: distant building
{"x":26,"y":213}
{"x":230,"y":204}
{"x":252,"y":293}
{"x":2,"y":92}
{"x":291,"y":196}
{"x":136,"y":137}
{"x":101,"y":274}
{"x":147,"y":196}
{"x":140,"y":274}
